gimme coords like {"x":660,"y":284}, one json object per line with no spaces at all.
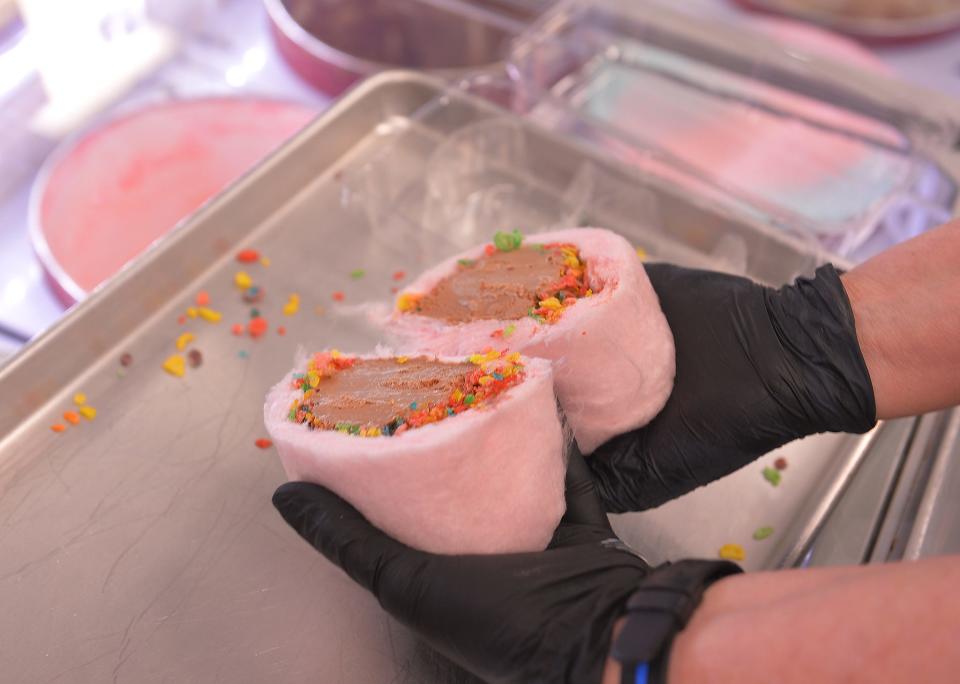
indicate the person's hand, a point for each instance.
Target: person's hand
{"x":521,"y":617}
{"x":756,"y":368}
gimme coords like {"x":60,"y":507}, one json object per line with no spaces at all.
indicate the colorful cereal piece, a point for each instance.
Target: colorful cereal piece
{"x":248,"y":256}
{"x":780,"y":463}
{"x":242,"y":280}
{"x":357,"y":273}
{"x":265,"y":262}
{"x":181,"y":320}
{"x":762,"y":533}
{"x":252,"y":294}
{"x":732,"y":552}
{"x":237,"y":329}
{"x":192,"y":312}
{"x":126,"y":359}
{"x":257,"y":327}
{"x":263,"y":443}
{"x":507,"y":242}
{"x":71,"y":417}
{"x":209,"y":315}
{"x":292,"y":305}
{"x":399,"y":275}
{"x":243,"y":354}
{"x":184,"y":339}
{"x":194,"y":358}
{"x":281,"y":330}
{"x":772,"y":475}
{"x":57,"y":427}
{"x":175,"y":365}
{"x":642,"y":253}
{"x":88,"y":412}
{"x":338,"y":296}
{"x":203,"y":298}
{"x":79,"y":398}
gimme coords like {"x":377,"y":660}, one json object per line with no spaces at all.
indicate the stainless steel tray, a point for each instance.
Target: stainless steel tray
{"x":143,"y":546}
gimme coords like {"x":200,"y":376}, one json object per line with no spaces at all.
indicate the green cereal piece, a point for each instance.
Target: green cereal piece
{"x":772,"y":475}
{"x":357,"y":273}
{"x":762,"y":533}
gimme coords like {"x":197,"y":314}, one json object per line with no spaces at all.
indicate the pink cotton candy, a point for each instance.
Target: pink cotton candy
{"x":489,"y":480}
{"x":612,"y":353}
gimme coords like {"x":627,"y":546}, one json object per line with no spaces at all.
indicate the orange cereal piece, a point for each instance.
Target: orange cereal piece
{"x":248,"y":256}
{"x":203,"y":298}
{"x":71,"y":417}
{"x":237,"y":329}
{"x":281,"y":330}
{"x":338,"y":296}
{"x":257,"y":326}
{"x":58,"y":427}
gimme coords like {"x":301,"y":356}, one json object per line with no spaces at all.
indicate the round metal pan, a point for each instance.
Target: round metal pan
{"x":106,"y":195}
{"x":869,"y":30}
{"x":333,"y":43}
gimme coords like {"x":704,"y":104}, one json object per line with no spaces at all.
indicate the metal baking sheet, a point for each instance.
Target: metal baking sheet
{"x":143,"y":546}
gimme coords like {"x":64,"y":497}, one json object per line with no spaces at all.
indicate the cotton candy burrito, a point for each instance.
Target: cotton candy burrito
{"x":579,"y":298}
{"x":446,"y":454}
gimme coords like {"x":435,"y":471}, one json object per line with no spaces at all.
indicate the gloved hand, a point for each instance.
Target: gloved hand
{"x":756,"y":368}
{"x":522,"y":617}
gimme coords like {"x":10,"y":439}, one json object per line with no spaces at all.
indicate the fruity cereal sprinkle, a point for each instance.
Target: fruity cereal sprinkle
{"x":387,"y":396}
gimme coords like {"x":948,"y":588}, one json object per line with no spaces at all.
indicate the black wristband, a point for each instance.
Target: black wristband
{"x":659,"y":608}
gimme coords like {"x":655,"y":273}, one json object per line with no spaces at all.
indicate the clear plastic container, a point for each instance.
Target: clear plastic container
{"x":744,"y":121}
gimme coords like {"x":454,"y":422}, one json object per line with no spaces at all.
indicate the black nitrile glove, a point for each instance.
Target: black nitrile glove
{"x":756,"y":368}
{"x":523,"y":617}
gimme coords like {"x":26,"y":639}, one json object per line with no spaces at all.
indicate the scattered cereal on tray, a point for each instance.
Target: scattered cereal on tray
{"x":780,"y":463}
{"x":175,"y":365}
{"x":338,"y":296}
{"x":253,"y":294}
{"x":126,"y":359}
{"x":79,"y":398}
{"x":399,"y":275}
{"x":194,"y":358}
{"x":292,"y":305}
{"x":762,"y":533}
{"x":357,"y":273}
{"x":263,"y":443}
{"x":88,"y":412}
{"x":71,"y":417}
{"x":772,"y":475}
{"x":203,"y":298}
{"x":732,"y":552}
{"x":209,"y":315}
{"x":248,"y":256}
{"x":181,"y":319}
{"x":281,"y":330}
{"x":242,"y":280}
{"x":254,"y":313}
{"x":237,"y":329}
{"x":183,"y":340}
{"x":243,"y":354}
{"x":192,"y":312}
{"x":257,"y":327}
{"x":57,"y":427}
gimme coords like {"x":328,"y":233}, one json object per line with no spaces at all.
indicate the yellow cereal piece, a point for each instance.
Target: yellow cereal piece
{"x":292,"y":305}
{"x":551,"y":303}
{"x":243,"y":280}
{"x":209,"y":315}
{"x":475,"y":359}
{"x":192,"y":312}
{"x":265,"y":262}
{"x":184,"y":339}
{"x":407,"y":301}
{"x":402,"y":359}
{"x":79,"y":398}
{"x":491,"y":355}
{"x":642,"y":253}
{"x":485,"y":379}
{"x":571,"y":261}
{"x":458,"y":395}
{"x":335,"y":354}
{"x":314,"y":379}
{"x":175,"y":365}
{"x":588,"y":293}
{"x":514,"y":357}
{"x":732,"y":552}
{"x":309,"y":393}
{"x":88,"y":412}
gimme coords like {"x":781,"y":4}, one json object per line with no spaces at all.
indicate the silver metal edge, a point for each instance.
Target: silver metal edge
{"x":805,"y":535}
{"x":934,"y":487}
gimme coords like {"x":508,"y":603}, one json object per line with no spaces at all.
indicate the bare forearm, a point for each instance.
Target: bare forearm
{"x":893,"y":623}
{"x":906,"y":302}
